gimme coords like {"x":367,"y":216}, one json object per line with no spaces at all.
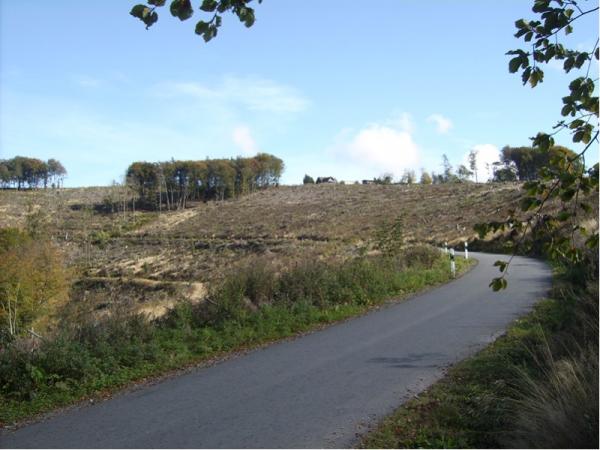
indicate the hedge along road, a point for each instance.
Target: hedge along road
{"x":320,"y":390}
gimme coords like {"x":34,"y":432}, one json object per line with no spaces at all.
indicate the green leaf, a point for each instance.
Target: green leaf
{"x":528,"y":203}
{"x":498,"y":284}
{"x":502,"y":265}
{"x":138,"y":11}
{"x":209,"y":5}
{"x":525,"y":75}
{"x":521,"y":23}
{"x":201,"y":27}
{"x":514,"y":64}
{"x":563,"y":215}
{"x":567,"y":194}
{"x":150,"y":19}
{"x":249,"y":18}
{"x":592,"y":241}
{"x":536,"y":76}
{"x":182,"y":9}
{"x":568,"y":64}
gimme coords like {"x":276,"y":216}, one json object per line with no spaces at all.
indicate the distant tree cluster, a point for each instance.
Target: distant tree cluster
{"x":171,"y":184}
{"x":527,"y":163}
{"x":21,"y":172}
{"x":308,"y":180}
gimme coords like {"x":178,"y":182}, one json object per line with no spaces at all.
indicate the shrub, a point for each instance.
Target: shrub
{"x":100,"y":238}
{"x":16,"y":380}
{"x":424,"y":256}
{"x":308,"y":281}
{"x":64,"y":359}
{"x":389,"y":238}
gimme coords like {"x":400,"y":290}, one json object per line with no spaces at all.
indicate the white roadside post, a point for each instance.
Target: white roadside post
{"x":452,"y":263}
{"x":445,"y":247}
{"x":466,"y":250}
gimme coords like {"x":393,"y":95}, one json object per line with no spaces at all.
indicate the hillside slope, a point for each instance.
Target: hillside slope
{"x":280,"y":226}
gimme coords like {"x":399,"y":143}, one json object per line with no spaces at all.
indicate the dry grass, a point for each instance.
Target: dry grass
{"x":283,"y":225}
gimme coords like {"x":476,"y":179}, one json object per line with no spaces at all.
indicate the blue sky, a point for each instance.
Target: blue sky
{"x":343,"y":88}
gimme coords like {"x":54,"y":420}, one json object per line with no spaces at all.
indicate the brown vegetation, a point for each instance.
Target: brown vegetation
{"x":284,"y":224}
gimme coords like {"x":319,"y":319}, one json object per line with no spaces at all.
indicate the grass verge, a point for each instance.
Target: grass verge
{"x":534,"y":387}
{"x":250,"y":308}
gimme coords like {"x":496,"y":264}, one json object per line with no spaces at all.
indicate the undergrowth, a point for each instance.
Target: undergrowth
{"x":250,"y":307}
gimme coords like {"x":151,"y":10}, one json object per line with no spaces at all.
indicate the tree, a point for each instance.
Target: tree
{"x":33,"y":280}
{"x":448,"y":173}
{"x":463,"y":173}
{"x":308,"y":180}
{"x":183,"y":10}
{"x":504,"y":173}
{"x":530,"y":162}
{"x":4,"y":173}
{"x":566,"y":180}
{"x":473,"y":163}
{"x":408,"y":177}
{"x":56,"y":171}
{"x":425,"y":177}
{"x":385,"y":178}
{"x":22,"y":171}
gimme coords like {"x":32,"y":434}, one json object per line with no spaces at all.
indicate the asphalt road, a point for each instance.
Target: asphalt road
{"x":316,"y":391}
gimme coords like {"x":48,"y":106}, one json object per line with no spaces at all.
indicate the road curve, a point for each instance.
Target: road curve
{"x":320,"y":390}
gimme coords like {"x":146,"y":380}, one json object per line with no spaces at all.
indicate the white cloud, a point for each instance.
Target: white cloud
{"x":255,"y":94}
{"x":487,"y":154}
{"x":243,"y":139}
{"x":378,"y":148}
{"x":443,"y":124}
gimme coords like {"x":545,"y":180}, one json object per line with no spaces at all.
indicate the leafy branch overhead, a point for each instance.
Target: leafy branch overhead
{"x":565,"y":180}
{"x":183,"y":10}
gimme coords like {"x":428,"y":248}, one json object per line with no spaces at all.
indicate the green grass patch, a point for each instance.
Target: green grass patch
{"x":249,"y":308}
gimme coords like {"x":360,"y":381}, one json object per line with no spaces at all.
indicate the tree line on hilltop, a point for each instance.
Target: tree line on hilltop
{"x":515,"y":164}
{"x":20,"y":172}
{"x":171,"y":184}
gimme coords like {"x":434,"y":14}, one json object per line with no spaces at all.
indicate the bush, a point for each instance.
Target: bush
{"x":16,"y":370}
{"x":308,"y":282}
{"x":424,"y":256}
{"x":64,"y":359}
{"x":100,"y":238}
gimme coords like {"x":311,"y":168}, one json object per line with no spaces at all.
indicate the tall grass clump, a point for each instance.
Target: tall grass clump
{"x":558,"y":405}
{"x":560,"y":409}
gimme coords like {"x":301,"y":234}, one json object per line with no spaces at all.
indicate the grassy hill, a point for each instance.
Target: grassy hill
{"x":178,"y":252}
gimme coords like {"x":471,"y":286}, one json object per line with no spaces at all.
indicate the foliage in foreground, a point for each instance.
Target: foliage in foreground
{"x":250,"y":307}
{"x":33,"y":281}
{"x":535,"y":387}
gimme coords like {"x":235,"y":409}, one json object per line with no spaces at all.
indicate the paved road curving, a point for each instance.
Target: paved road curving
{"x":317,"y":391}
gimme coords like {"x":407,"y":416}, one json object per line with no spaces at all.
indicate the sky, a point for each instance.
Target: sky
{"x":337,"y":88}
